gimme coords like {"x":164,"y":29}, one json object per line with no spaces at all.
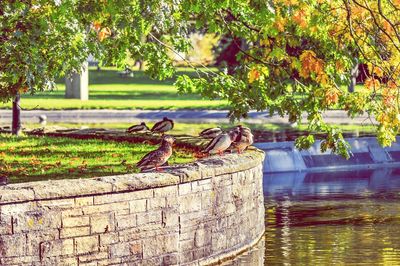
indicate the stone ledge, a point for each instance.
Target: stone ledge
{"x":173,"y":175}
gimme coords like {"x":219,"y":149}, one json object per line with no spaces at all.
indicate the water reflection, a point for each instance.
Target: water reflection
{"x":332,"y":218}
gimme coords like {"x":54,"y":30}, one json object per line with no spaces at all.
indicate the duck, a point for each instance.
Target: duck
{"x":243,"y":140}
{"x":138,"y":128}
{"x":221,"y":142}
{"x":163,"y":126}
{"x":42,"y":120}
{"x":159,"y":156}
{"x":3,"y":180}
{"x":210,"y":133}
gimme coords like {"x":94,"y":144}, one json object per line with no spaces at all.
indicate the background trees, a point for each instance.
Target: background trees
{"x":298,"y":56}
{"x":293,"y":56}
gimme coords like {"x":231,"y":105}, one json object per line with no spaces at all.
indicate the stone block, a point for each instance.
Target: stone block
{"x":139,"y":205}
{"x":119,"y":250}
{"x":202,"y":237}
{"x":110,"y":262}
{"x":149,"y":218}
{"x":72,"y":212}
{"x":75,"y":221}
{"x":185,"y":188}
{"x":83,"y":201}
{"x":117,"y":207}
{"x":74,"y":231}
{"x":86,"y":244}
{"x":125,"y":221}
{"x":108,"y":238}
{"x":56,"y":248}
{"x":102,"y":223}
{"x":93,"y":257}
{"x":169,"y":218}
{"x":57,"y":204}
{"x":35,"y":238}
{"x":12,"y":245}
{"x":190,"y":203}
{"x":156,"y":203}
{"x":127,"y":196}
{"x":170,"y":259}
{"x":168,"y":191}
{"x":165,"y":244}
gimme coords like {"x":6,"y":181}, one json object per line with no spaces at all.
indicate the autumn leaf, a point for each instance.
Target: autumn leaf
{"x":96,"y":25}
{"x":299,"y":18}
{"x":253,"y":75}
{"x":378,"y":71}
{"x":372,"y":83}
{"x":280,"y":24}
{"x":331,"y":96}
{"x":104,"y":33}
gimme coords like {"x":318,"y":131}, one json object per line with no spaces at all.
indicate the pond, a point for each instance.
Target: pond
{"x":330,"y":218}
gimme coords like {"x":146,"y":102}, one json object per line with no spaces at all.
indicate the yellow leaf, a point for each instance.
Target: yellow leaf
{"x":253,"y":75}
{"x":378,"y":71}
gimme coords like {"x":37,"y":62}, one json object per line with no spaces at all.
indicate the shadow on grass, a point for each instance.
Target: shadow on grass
{"x":112,"y":76}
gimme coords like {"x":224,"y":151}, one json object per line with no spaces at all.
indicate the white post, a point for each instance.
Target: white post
{"x":77,"y":85}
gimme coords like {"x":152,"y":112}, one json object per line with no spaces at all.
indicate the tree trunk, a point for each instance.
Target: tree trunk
{"x":16,"y":116}
{"x":353,"y":77}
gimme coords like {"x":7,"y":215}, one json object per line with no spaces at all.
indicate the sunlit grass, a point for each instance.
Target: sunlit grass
{"x":107,"y":90}
{"x":26,"y":158}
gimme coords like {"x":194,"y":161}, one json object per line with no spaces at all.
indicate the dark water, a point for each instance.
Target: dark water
{"x":330,"y":218}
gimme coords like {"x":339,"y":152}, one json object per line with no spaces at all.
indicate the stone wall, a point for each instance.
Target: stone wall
{"x":198,"y":213}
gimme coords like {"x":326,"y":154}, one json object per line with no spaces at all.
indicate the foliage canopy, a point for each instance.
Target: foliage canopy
{"x":295,"y":56}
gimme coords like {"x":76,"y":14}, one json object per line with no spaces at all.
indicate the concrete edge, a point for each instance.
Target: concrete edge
{"x":174,"y":175}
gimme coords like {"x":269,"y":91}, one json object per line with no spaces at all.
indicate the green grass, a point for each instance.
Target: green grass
{"x":26,"y":158}
{"x":107,"y":90}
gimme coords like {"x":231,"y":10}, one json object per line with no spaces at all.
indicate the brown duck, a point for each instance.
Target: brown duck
{"x":243,"y":140}
{"x":163,"y":126}
{"x":157,"y":157}
{"x":211,"y":132}
{"x":221,"y":142}
{"x":142,"y":127}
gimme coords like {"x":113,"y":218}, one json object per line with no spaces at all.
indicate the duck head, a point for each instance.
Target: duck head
{"x":169,"y":139}
{"x":234,"y":133}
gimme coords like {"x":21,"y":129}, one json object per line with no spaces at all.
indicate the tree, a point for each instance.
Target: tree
{"x":42,"y":40}
{"x":294,"y":56}
{"x":298,"y":59}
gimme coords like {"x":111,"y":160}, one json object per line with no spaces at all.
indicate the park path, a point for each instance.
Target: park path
{"x":182,"y":116}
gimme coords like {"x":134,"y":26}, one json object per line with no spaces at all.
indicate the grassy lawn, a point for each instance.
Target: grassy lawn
{"x":26,"y":159}
{"x":107,"y":90}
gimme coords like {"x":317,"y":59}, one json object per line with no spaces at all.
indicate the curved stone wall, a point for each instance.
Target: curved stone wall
{"x":194,"y":214}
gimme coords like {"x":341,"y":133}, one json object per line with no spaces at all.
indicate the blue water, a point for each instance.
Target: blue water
{"x":330,"y":218}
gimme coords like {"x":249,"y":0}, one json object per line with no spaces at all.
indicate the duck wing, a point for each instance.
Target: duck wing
{"x":151,"y":158}
{"x":219,"y":143}
{"x":210,"y":132}
{"x":135,"y":128}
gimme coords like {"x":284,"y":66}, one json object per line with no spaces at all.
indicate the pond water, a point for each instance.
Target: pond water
{"x":330,"y":218}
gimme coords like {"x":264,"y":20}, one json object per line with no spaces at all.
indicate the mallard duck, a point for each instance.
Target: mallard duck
{"x":138,"y":128}
{"x":243,"y":140}
{"x":221,"y":142}
{"x":163,"y":126}
{"x":159,"y":156}
{"x":210,"y":132}
{"x":3,"y":180}
{"x":42,"y":120}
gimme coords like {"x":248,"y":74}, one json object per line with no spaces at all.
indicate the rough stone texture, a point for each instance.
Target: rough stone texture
{"x":193,"y":214}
